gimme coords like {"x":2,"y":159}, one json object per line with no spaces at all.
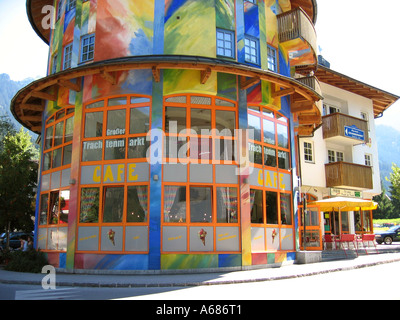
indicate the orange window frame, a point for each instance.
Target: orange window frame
{"x":276,"y":120}
{"x":52,"y":122}
{"x":213,"y":107}
{"x":126,"y":136}
{"x":102,"y":187}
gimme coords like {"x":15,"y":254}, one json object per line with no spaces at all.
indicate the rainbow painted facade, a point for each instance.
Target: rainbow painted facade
{"x":147,"y":163}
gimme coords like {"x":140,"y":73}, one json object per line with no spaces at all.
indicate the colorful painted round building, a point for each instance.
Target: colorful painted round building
{"x":169,"y":131}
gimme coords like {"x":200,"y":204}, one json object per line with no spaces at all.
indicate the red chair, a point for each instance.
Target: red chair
{"x":348,"y":238}
{"x":328,"y":238}
{"x":368,"y":238}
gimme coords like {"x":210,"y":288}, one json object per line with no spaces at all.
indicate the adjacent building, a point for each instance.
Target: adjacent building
{"x":340,"y":159}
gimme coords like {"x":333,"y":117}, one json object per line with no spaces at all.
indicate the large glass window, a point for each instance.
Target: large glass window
{"x":137,"y":204}
{"x":256,"y":206}
{"x":227,"y":205}
{"x":90,"y":201}
{"x":58,"y":140}
{"x":286,"y":209}
{"x":200,"y":133}
{"x":271,"y":129}
{"x":200,"y":204}
{"x":271,"y":204}
{"x":175,"y":120}
{"x":274,"y":214}
{"x":44,"y":206}
{"x":125,"y":134}
{"x":175,"y":204}
{"x":139,"y":120}
{"x":113,"y":204}
{"x":54,"y":207}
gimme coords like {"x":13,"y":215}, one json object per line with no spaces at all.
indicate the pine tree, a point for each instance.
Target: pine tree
{"x":385,"y":208}
{"x":18,"y":177}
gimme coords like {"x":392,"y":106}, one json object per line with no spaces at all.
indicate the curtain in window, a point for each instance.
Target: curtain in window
{"x":229,"y":205}
{"x":142,"y":196}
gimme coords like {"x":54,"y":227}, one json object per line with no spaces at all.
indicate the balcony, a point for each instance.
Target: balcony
{"x":345,"y":129}
{"x":308,"y":112}
{"x":297,"y":34}
{"x":348,"y":176}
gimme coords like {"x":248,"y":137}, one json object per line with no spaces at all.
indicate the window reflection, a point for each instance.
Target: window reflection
{"x":200,"y":204}
{"x":174,"y":204}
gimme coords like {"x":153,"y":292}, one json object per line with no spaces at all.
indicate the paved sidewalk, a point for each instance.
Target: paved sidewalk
{"x":196,"y":279}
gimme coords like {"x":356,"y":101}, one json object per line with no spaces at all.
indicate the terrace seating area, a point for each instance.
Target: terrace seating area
{"x":350,"y":244}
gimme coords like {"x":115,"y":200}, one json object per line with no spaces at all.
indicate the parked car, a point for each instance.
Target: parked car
{"x":15,"y":243}
{"x":388,"y":236}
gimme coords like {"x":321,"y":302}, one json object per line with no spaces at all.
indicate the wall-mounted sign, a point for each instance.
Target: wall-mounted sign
{"x":271,"y":179}
{"x":354,"y":133}
{"x":115,"y":173}
{"x":345,"y":193}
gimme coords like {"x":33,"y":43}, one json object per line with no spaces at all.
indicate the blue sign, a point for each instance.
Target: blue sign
{"x":354,"y":132}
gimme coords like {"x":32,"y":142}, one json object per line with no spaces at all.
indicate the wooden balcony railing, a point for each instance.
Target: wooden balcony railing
{"x":342,"y":125}
{"x":311,"y":82}
{"x":348,"y":175}
{"x":296,"y":24}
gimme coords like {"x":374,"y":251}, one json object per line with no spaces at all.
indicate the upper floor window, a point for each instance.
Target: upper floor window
{"x":308,"y":152}
{"x":58,"y":140}
{"x":368,"y":159}
{"x":200,"y":128}
{"x":335,"y":156}
{"x":87,"y":48}
{"x":251,"y":49}
{"x":59,"y":9}
{"x":329,"y":109}
{"x":272,"y":59}
{"x":225,"y":43}
{"x":118,"y":131}
{"x":71,"y":4}
{"x":269,"y":138}
{"x":54,"y":63}
{"x":67,"y":57}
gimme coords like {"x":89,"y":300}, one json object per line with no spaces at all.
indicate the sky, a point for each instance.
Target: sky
{"x":358,"y":37}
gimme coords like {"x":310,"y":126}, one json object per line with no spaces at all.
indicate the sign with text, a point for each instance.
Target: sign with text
{"x":115,"y":173}
{"x":345,"y":193}
{"x":354,"y":133}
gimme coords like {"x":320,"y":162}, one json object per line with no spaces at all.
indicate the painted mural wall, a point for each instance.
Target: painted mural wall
{"x":154,"y":27}
{"x":124,"y":28}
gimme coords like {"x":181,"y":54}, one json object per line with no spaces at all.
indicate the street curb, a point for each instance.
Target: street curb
{"x":194,"y":284}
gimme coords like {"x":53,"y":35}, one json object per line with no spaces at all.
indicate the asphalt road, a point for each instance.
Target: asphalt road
{"x":359,"y":284}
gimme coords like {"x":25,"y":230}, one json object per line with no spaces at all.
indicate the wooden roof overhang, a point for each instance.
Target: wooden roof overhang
{"x":381,"y":99}
{"x":36,"y":16}
{"x":29,"y":103}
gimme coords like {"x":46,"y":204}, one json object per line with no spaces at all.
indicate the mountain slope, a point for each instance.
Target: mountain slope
{"x":8,"y":89}
{"x":388,"y":140}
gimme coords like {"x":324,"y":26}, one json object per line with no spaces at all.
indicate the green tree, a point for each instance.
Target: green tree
{"x":385,"y":208}
{"x":394,"y":179}
{"x":394,"y":190}
{"x":18,"y":177}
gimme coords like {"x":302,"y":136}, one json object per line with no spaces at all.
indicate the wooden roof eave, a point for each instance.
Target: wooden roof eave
{"x":25,"y":103}
{"x":382,"y":100}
